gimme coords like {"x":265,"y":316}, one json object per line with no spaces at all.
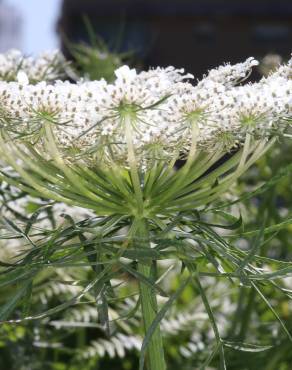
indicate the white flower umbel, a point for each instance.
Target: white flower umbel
{"x":48,"y":65}
{"x":166,"y":114}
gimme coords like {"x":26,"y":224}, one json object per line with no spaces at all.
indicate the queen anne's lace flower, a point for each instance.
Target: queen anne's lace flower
{"x":166,"y":114}
{"x":229,"y":75}
{"x":48,"y":65}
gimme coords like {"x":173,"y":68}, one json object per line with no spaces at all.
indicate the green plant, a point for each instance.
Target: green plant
{"x":96,"y":61}
{"x":112,"y":148}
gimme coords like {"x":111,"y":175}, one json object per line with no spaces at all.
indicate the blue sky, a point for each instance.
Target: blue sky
{"x":38,"y":25}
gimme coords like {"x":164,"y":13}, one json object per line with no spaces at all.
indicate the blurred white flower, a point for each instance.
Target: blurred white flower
{"x":49,"y":66}
{"x":22,"y":78}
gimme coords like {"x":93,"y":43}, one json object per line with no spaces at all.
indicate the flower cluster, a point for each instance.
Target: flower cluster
{"x":48,"y":66}
{"x":158,"y":114}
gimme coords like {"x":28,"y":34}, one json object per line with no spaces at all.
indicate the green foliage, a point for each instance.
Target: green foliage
{"x":96,"y":61}
{"x":57,"y":254}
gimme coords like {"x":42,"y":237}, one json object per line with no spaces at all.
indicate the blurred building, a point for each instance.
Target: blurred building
{"x":195,"y":34}
{"x":10,"y":27}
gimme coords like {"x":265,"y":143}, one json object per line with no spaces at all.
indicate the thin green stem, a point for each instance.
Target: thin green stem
{"x":133,"y":164}
{"x":155,"y":353}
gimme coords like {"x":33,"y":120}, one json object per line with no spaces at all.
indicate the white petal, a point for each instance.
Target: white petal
{"x":22,"y":78}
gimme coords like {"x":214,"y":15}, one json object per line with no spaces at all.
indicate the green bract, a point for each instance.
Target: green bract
{"x":160,"y":190}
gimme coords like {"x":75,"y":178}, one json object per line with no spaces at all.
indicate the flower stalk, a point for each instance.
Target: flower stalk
{"x":155,"y":354}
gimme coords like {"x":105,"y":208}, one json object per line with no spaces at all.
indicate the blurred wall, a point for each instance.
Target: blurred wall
{"x":194,"y":34}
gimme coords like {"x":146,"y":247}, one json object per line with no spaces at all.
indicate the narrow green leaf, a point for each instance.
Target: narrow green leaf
{"x":246,"y":347}
{"x":8,"y":308}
